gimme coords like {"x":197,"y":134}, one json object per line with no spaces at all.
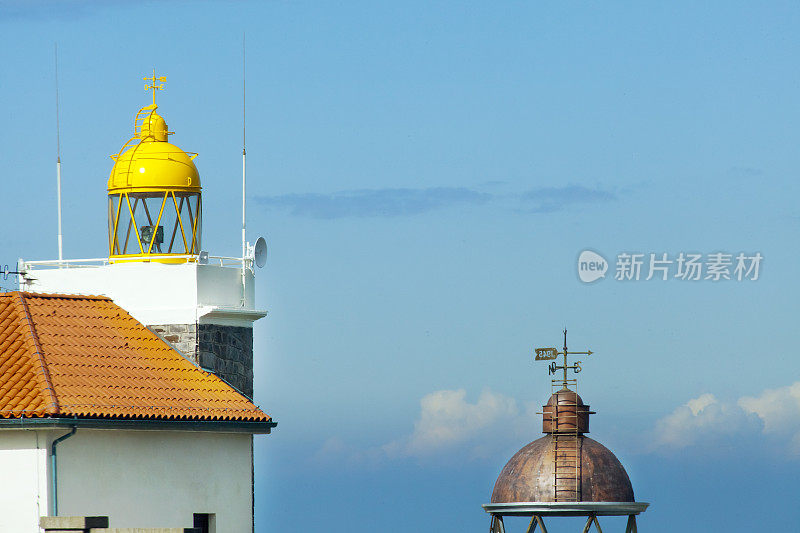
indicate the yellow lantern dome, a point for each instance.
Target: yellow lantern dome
{"x":154,"y":165}
{"x":154,"y":194}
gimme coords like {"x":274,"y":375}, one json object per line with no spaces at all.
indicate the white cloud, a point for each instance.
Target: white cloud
{"x":447,"y":421}
{"x":700,"y":420}
{"x":449,"y":424}
{"x":778,"y":408}
{"x":698,"y":404}
{"x":772,"y":415}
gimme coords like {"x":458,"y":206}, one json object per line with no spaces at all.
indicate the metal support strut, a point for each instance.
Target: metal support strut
{"x":496,"y":524}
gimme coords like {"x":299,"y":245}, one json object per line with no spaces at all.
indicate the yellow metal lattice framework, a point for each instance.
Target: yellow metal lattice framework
{"x":184,"y":231}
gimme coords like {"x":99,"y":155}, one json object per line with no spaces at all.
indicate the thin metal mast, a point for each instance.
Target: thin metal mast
{"x":58,"y":164}
{"x":565,"y":358}
{"x":244,"y":151}
{"x":244,"y":173}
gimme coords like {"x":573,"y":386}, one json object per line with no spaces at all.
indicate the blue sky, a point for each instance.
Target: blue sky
{"x":426,"y":175}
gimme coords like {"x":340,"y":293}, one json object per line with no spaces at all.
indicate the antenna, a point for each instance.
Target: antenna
{"x":58,"y":165}
{"x":244,"y":151}
{"x":244,"y":169}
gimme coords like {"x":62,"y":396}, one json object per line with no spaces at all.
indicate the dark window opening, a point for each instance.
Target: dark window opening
{"x":204,"y":522}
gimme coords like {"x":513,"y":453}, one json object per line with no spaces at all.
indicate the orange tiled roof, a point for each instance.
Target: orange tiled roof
{"x":85,"y":356}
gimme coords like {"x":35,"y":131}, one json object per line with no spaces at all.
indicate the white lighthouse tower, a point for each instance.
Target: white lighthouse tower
{"x":156,"y":268}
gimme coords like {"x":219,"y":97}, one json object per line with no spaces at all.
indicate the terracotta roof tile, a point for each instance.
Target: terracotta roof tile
{"x":84,"y":356}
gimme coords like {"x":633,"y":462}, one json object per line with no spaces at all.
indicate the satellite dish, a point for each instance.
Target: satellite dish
{"x":261,"y":252}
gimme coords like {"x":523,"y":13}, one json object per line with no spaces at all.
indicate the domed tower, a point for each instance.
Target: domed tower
{"x":564,"y":473}
{"x":154,"y":194}
{"x":204,"y":305}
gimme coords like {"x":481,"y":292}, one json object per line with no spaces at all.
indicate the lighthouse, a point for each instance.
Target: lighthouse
{"x":127,"y":380}
{"x":156,"y":267}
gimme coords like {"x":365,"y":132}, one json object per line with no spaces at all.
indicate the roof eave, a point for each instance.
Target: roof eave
{"x":219,"y":426}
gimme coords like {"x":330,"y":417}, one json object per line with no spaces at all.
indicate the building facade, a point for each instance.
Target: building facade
{"x":100,"y":416}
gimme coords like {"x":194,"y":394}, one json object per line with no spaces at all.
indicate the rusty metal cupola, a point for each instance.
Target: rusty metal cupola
{"x":564,"y":473}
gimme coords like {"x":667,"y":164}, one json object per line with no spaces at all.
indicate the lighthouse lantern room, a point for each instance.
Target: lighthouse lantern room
{"x":154,"y":194}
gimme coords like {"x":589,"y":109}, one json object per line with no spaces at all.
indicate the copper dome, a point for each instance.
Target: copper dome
{"x":530,"y":475}
{"x":564,"y":465}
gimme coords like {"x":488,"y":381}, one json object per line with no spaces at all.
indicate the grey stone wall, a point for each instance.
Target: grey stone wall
{"x":183,"y":338}
{"x":227,"y":351}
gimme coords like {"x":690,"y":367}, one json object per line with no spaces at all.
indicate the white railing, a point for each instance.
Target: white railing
{"x":230,"y":261}
{"x":223,"y":261}
{"x":63,"y":263}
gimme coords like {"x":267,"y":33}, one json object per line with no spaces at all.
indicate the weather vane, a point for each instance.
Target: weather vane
{"x":152,"y":85}
{"x":548,"y":354}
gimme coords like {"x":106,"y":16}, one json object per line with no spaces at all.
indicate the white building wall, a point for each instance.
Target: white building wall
{"x":157,"y":478}
{"x":24,"y":485}
{"x":157,"y":293}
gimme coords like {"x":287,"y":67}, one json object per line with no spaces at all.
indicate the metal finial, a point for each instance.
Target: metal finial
{"x":152,"y":85}
{"x":548,"y":354}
